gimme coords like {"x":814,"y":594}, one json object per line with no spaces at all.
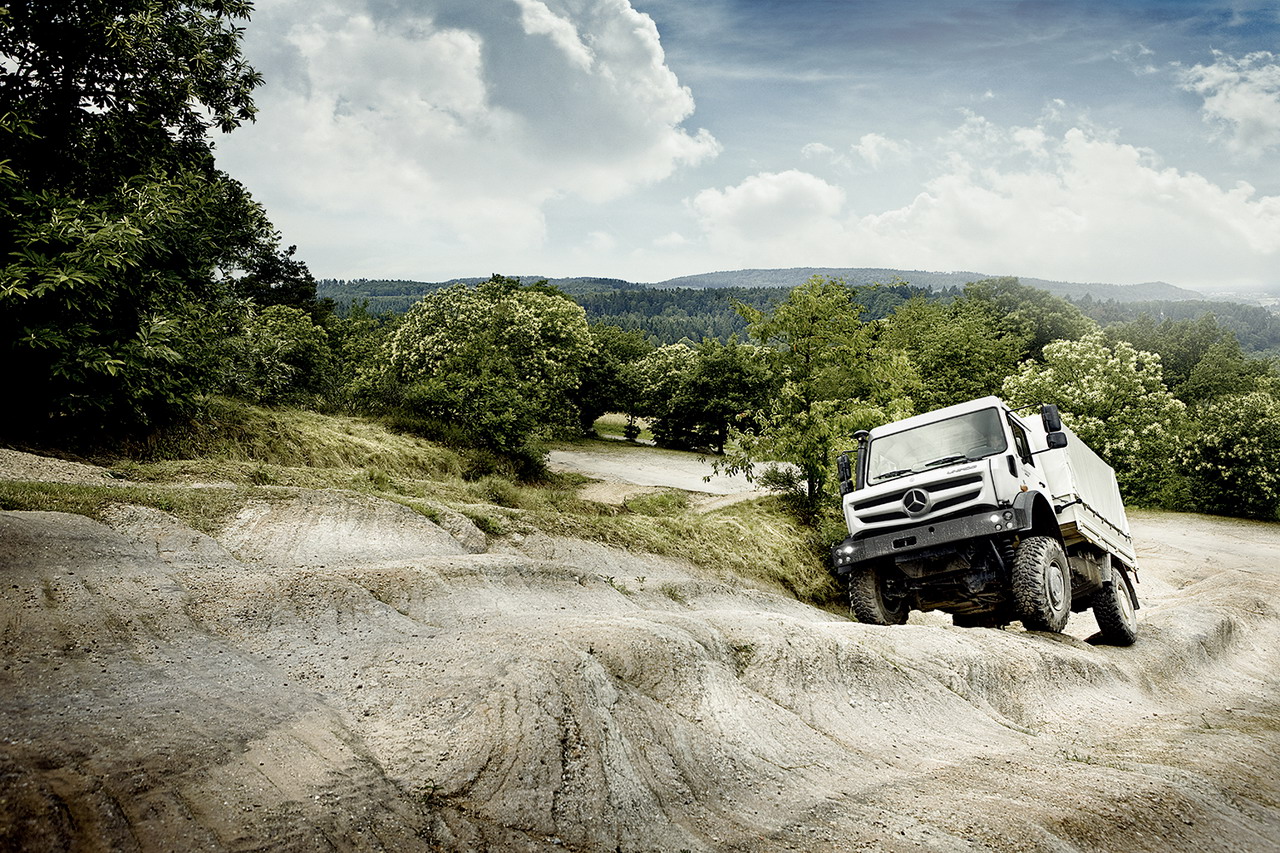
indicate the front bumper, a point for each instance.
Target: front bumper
{"x":931,"y":534}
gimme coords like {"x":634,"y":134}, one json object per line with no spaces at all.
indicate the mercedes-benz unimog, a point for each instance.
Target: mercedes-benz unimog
{"x":987,"y":515}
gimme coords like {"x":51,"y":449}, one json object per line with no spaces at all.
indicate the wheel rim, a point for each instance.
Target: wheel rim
{"x":1057,"y":586}
{"x":1125,"y":603}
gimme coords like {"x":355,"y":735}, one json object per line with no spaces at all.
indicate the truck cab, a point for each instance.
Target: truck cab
{"x":988,"y":515}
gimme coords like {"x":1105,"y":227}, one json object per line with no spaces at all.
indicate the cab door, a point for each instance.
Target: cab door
{"x":1022,"y":465}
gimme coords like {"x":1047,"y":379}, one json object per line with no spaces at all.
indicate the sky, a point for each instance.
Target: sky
{"x":1095,"y":141}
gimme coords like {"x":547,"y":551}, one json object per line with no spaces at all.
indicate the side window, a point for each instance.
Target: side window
{"x":1021,"y":442}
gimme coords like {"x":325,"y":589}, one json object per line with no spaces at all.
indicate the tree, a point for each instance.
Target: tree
{"x":1233,"y":459}
{"x":605,"y":386}
{"x":1115,"y":400}
{"x":713,"y":387}
{"x":124,"y":249}
{"x":280,"y":356}
{"x":1201,"y":360}
{"x":498,"y":362}
{"x":959,"y":350}
{"x":112,"y":90}
{"x":833,"y":380}
{"x":1036,"y":315}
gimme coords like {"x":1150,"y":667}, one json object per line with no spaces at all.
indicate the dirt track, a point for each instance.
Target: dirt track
{"x":333,"y":672}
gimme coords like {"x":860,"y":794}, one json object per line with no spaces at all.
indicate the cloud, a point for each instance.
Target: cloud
{"x":1073,"y":204}
{"x":770,"y":215}
{"x":875,"y":149}
{"x":1242,"y":97}
{"x":450,"y":121}
{"x":814,"y":150}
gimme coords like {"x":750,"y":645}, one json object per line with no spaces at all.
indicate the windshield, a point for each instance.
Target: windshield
{"x":959,"y":439}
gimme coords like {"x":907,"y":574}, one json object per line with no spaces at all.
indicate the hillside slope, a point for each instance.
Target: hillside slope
{"x":332,"y":671}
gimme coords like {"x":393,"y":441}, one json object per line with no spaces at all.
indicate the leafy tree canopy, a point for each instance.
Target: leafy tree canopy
{"x":500,"y":361}
{"x":123,"y":250}
{"x":1115,"y":400}
{"x":1036,"y":315}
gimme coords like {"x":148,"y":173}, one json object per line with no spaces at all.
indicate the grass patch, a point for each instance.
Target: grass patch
{"x":205,"y":510}
{"x":295,"y":438}
{"x":659,"y":503}
{"x":754,"y":539}
{"x":614,"y":425}
{"x":253,"y":451}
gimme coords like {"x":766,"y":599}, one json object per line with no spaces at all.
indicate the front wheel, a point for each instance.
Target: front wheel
{"x":1041,"y":584}
{"x":873,"y":601}
{"x":1113,"y":608}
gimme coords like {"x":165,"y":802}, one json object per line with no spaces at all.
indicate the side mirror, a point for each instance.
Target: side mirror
{"x":845,"y":472}
{"x":1056,"y":440}
{"x":1051,"y":418}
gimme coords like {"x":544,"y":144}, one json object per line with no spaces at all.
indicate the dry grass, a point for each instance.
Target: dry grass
{"x":250,"y":450}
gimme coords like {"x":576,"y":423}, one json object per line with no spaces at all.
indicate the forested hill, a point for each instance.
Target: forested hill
{"x":383,"y":295}
{"x":1154,"y":290}
{"x":698,"y":307}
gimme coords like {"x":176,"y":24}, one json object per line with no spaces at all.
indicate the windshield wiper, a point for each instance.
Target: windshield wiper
{"x":897,"y":473}
{"x":946,"y":460}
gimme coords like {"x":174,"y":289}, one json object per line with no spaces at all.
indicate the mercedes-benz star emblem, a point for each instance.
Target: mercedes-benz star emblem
{"x":916,"y":502}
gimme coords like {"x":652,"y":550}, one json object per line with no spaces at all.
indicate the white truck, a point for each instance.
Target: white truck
{"x":988,"y":515}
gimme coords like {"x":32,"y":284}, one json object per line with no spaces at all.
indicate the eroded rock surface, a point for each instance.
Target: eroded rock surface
{"x":328,"y":673}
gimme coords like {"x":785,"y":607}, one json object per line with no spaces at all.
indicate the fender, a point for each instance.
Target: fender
{"x":1040,"y":519}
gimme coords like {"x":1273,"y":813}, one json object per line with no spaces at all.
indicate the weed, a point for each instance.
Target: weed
{"x":673,"y":592}
{"x":659,"y":503}
{"x":616,"y":584}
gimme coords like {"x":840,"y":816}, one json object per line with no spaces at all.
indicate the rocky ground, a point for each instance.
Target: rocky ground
{"x":334,"y":672}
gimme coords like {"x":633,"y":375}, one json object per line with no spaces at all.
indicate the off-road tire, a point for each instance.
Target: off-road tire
{"x":1041,"y":584}
{"x":1113,"y":608}
{"x":869,"y":603}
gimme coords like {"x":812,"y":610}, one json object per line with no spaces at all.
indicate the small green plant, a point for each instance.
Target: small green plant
{"x":616,"y":584}
{"x":673,"y":592}
{"x":380,"y":480}
{"x":487,"y":523}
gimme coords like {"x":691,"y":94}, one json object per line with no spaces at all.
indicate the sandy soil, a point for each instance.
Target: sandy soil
{"x":328,"y":673}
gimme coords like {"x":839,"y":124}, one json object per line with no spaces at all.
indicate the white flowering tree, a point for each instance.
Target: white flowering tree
{"x":499,"y":362}
{"x":1115,"y":399}
{"x":1234,"y":458}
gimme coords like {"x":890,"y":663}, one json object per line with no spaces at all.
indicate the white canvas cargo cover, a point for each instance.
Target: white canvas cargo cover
{"x":1086,"y":486}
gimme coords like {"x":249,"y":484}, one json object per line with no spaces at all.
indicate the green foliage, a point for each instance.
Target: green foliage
{"x":1233,"y":460}
{"x":1035,"y":315}
{"x":1201,"y":359}
{"x":1114,"y":398}
{"x":607,"y":385}
{"x":693,"y":395}
{"x":834,"y":380}
{"x":499,"y":361}
{"x":960,"y":350}
{"x":124,"y":249}
{"x":115,"y":90}
{"x":280,"y":356}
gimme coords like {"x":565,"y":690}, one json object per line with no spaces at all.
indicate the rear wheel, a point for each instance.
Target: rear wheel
{"x":874,"y":600}
{"x":1041,"y":584}
{"x":1113,"y":608}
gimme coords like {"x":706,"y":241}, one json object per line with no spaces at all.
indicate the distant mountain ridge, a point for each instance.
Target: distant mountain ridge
{"x":1151,"y":291}
{"x":1146,"y":291}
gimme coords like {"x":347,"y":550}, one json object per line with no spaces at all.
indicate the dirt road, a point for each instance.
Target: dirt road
{"x":334,"y":672}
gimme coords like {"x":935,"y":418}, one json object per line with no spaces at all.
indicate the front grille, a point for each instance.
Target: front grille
{"x":944,"y":495}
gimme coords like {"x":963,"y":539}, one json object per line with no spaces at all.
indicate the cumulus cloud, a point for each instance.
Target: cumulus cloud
{"x":455,"y":121}
{"x":875,"y":149}
{"x":1241,"y":96}
{"x":790,"y":213}
{"x":1073,"y":204}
